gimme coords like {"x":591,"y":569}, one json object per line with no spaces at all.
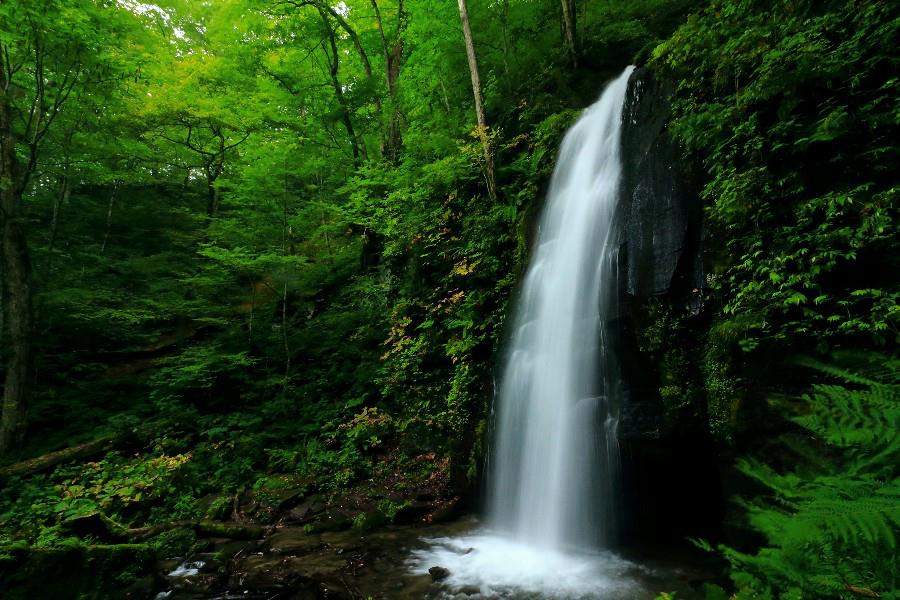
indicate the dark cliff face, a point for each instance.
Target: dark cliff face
{"x":660,"y":261}
{"x":669,"y":470}
{"x":659,"y":209}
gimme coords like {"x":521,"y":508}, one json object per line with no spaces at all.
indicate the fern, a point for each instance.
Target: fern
{"x":831,"y":526}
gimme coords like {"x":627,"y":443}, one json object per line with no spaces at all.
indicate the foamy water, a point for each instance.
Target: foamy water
{"x":501,"y":567}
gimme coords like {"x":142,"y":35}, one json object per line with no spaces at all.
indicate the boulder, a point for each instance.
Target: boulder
{"x":305,"y":511}
{"x":446,"y":511}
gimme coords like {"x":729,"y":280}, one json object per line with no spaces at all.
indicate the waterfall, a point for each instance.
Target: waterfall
{"x":554,"y":460}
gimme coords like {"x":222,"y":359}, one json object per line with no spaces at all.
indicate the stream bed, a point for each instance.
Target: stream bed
{"x":394,"y":563}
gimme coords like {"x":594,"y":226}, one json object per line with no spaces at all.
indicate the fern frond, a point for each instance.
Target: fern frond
{"x":848,"y":417}
{"x":833,"y":522}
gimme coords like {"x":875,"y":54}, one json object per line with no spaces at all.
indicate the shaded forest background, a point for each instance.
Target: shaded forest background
{"x":253,"y":247}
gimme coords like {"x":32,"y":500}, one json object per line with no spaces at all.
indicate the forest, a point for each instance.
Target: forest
{"x":260,"y":260}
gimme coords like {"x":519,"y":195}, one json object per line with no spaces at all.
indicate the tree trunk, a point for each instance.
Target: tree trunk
{"x":18,"y":318}
{"x":284,"y":338}
{"x":325,"y":11}
{"x":333,"y":66}
{"x":109,"y":216}
{"x":568,"y":11}
{"x":16,"y":286}
{"x":62,"y":198}
{"x":212,"y":197}
{"x":504,"y":27}
{"x":214,"y":168}
{"x":285,"y":232}
{"x":392,"y":57}
{"x":479,"y":101}
{"x":354,"y":37}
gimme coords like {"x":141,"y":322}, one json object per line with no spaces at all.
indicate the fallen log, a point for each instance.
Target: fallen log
{"x":98,"y":526}
{"x":233,"y":531}
{"x":58,"y":457}
{"x":96,"y":447}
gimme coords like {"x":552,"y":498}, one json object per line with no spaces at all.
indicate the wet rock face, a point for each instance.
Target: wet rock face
{"x":660,"y":261}
{"x":659,"y":210}
{"x":658,"y":327}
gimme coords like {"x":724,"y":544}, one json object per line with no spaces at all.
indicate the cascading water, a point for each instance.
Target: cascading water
{"x":554,"y":460}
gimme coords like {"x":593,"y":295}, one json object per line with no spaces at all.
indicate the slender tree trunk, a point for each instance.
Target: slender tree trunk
{"x":357,"y":43}
{"x":17,"y":301}
{"x":284,"y":297}
{"x":568,"y":11}
{"x":327,"y":12}
{"x":284,"y":338}
{"x":504,"y":26}
{"x":109,"y":215}
{"x":392,"y":58}
{"x":213,"y":169}
{"x":61,"y":200}
{"x":333,"y":66}
{"x":2,"y":306}
{"x":473,"y":64}
{"x":479,"y":101}
{"x":212,"y":198}
{"x":444,"y":97}
{"x":252,"y":309}
{"x":354,"y":37}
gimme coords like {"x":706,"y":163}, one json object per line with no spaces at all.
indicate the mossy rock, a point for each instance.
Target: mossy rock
{"x":370,"y":520}
{"x":95,"y":525}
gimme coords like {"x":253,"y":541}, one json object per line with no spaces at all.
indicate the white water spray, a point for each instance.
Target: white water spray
{"x":551,"y":479}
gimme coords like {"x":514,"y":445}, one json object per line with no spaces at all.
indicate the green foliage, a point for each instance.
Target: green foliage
{"x":175,"y":542}
{"x":830,"y":523}
{"x":795,"y":122}
{"x":722,"y":389}
{"x":116,"y":486}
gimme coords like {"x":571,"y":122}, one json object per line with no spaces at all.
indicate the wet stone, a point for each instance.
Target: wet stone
{"x":345,"y":541}
{"x":306,"y":511}
{"x":447,"y":511}
{"x":292,"y":540}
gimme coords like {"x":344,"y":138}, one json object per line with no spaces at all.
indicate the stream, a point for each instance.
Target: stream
{"x":393,"y":563}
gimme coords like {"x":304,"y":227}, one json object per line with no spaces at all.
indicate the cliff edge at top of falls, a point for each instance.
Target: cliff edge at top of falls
{"x":659,"y":210}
